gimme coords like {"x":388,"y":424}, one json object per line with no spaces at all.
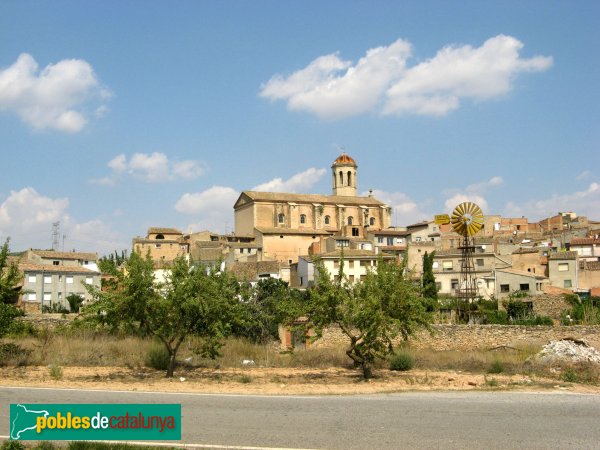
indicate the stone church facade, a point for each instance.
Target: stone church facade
{"x":285,"y":225}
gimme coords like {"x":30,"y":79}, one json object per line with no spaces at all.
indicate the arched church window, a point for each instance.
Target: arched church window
{"x":160,"y":236}
{"x":302,"y":218}
{"x":349,"y":178}
{"x":372,"y":221}
{"x":281,"y":218}
{"x":341,"y":178}
{"x":327,"y":219}
{"x":350,"y":220}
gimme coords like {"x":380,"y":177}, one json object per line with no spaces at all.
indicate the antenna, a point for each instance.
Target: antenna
{"x":55,"y":235}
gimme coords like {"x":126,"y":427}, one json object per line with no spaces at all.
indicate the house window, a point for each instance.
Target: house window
{"x":55,"y":263}
{"x":351,"y":278}
{"x":568,"y":283}
{"x":363,"y":277}
{"x":47,"y":296}
{"x":350,"y":220}
{"x":563,"y":267}
{"x":302,"y":218}
{"x":372,"y":221}
{"x":47,"y":279}
{"x":354,"y":231}
{"x":60,"y":295}
{"x":504,"y":288}
{"x":524,"y":286}
{"x":32,"y":297}
{"x":351,"y":264}
{"x":343,"y":243}
{"x":447,"y":266}
{"x":336,"y":264}
{"x":366,"y":263}
{"x":157,"y":245}
{"x":280,"y":218}
{"x":89,"y":280}
{"x":390,"y":241}
{"x":327,"y":219}
{"x":454,"y":283}
{"x":380,"y":240}
{"x":69,"y":279}
{"x":480,"y":262}
{"x":418,"y":239}
{"x":438,"y":285}
{"x":435,"y":265}
{"x":60,"y":278}
{"x":32,"y":278}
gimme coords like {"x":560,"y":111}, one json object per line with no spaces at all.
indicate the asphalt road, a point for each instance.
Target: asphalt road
{"x":453,"y":420}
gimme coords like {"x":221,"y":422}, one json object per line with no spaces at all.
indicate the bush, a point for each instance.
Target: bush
{"x":75,"y":301}
{"x":402,"y":362}
{"x":157,"y":357}
{"x":44,"y":445}
{"x":56,"y":372}
{"x":570,"y":375}
{"x":12,"y":445}
{"x":13,"y":353}
{"x":496,"y":367}
{"x":55,"y":308}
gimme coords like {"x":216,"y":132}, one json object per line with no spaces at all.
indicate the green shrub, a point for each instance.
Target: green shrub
{"x":157,"y":357}
{"x":495,"y":317}
{"x":245,"y":379}
{"x":55,"y":308}
{"x":56,"y":372}
{"x":402,"y":362}
{"x":12,"y":445}
{"x":44,"y":445}
{"x":496,"y":367}
{"x":75,"y":301}
{"x":570,"y":375}
{"x":11,"y":353}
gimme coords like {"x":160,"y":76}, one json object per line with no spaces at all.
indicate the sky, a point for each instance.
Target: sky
{"x":119,"y":116}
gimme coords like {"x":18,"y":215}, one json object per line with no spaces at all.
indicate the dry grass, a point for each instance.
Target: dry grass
{"x":84,"y":348}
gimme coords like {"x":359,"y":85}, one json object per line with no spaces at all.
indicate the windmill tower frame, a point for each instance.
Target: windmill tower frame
{"x":467,"y":220}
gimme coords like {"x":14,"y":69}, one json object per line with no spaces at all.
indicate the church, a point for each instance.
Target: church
{"x":285,"y":225}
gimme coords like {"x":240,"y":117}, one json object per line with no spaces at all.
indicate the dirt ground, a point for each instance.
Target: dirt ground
{"x":276,"y":381}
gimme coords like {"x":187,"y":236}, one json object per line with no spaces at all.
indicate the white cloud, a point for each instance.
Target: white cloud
{"x":151,"y":168}
{"x":584,"y":203}
{"x":214,"y":206}
{"x":26,"y":216}
{"x":583,"y":175}
{"x":300,"y":182}
{"x":472,"y":193}
{"x":405,"y":211}
{"x":53,"y":98}
{"x":436,"y":86}
{"x":333,"y":88}
{"x":457,"y":199}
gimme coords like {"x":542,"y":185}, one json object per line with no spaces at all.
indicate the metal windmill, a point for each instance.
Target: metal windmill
{"x":467,"y":220}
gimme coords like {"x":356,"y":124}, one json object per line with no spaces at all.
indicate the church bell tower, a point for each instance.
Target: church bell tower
{"x":343,"y":172}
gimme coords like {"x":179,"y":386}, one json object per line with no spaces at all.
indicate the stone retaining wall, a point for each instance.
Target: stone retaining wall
{"x":471,"y":337}
{"x":48,"y":320}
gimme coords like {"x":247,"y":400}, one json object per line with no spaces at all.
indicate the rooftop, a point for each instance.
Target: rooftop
{"x":66,"y":255}
{"x":344,"y":159}
{"x":563,"y":255}
{"x":161,"y":230}
{"x":308,"y":198}
{"x":30,"y":267}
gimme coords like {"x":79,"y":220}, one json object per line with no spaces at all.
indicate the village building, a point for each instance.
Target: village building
{"x":284,"y":225}
{"x":163,"y":244}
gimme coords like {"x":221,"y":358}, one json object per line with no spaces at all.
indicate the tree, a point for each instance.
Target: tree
{"x":371,"y":313}
{"x":193,"y":300}
{"x":430,"y":291}
{"x":110,"y":264}
{"x":10,"y":276}
{"x":271,"y":302}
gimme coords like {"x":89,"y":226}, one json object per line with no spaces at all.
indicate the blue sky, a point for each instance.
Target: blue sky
{"x":118,"y":116}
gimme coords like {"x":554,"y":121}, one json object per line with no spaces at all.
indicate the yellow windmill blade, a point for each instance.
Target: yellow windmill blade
{"x":467,"y":219}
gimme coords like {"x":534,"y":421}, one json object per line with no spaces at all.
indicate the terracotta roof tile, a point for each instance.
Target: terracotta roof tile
{"x":66,"y":255}
{"x":312,"y":198}
{"x":563,"y":255}
{"x":162,"y":230}
{"x":585,"y":241}
{"x":344,"y":159}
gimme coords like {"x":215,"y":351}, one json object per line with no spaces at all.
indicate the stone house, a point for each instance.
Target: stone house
{"x":164,"y":244}
{"x":50,"y":277}
{"x":562,"y":270}
{"x":588,"y":249}
{"x":509,"y":280}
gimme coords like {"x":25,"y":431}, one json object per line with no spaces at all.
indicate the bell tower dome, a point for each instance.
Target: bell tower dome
{"x":343,"y":172}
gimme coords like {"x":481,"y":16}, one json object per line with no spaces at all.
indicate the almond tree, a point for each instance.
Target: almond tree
{"x":372,"y":313}
{"x":194,"y":300}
